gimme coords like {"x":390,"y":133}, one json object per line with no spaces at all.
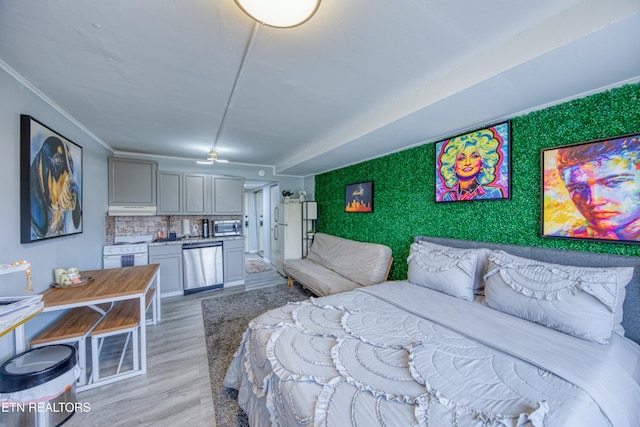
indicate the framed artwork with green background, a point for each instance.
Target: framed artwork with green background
{"x":404,"y":185}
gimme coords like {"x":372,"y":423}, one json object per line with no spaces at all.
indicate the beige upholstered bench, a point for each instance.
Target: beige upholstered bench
{"x":335,"y":264}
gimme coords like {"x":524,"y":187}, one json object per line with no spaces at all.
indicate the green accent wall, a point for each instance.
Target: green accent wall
{"x":404,"y":204}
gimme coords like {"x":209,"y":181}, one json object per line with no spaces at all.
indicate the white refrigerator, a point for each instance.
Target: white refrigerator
{"x":287,"y":234}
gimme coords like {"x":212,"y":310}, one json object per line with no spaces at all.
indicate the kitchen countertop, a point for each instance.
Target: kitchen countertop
{"x":187,"y":240}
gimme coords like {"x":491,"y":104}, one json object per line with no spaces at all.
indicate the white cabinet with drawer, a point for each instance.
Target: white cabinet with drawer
{"x":233,"y":261}
{"x":170,"y":259}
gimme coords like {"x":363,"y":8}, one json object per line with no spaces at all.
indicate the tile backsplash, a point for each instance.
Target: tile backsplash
{"x":150,"y":225}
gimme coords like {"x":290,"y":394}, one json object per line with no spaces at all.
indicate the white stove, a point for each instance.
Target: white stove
{"x":127,"y":251}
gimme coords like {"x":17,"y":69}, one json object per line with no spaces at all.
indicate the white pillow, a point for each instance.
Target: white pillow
{"x":580,"y":301}
{"x":625,"y":274}
{"x":448,"y":270}
{"x":481,"y":264}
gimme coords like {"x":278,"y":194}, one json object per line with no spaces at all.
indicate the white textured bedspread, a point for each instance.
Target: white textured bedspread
{"x":381,"y":355}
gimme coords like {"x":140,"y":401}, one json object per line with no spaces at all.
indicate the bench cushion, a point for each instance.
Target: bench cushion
{"x":318,"y":279}
{"x":363,"y":263}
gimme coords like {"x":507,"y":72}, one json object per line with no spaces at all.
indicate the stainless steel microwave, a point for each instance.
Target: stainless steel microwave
{"x":227,"y":228}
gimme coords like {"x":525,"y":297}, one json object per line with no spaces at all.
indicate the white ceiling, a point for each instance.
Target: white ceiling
{"x":361,"y":79}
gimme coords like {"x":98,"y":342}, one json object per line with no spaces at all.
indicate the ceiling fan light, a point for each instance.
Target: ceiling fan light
{"x":213,"y":158}
{"x":279,"y":13}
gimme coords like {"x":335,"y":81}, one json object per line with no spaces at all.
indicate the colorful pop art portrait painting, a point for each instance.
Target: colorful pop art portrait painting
{"x":475,"y":165}
{"x":592,"y":190}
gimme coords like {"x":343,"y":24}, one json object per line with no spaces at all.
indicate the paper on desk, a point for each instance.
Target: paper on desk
{"x":10,"y":304}
{"x":8,"y":320}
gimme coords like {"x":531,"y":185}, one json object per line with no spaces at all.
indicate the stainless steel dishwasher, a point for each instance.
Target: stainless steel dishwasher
{"x":202,"y":266}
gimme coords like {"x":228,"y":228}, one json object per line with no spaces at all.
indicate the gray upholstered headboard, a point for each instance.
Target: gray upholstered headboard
{"x":631,"y":308}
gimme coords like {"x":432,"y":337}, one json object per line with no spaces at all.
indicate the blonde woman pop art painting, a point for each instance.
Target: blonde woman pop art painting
{"x":474,"y":166}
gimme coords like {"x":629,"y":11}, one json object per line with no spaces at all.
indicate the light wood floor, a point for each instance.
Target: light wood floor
{"x":176,"y":389}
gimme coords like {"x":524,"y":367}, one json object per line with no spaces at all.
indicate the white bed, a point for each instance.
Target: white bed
{"x":402,"y":353}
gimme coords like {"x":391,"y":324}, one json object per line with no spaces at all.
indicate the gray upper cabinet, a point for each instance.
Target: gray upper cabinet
{"x":228,"y":195}
{"x":132,"y":182}
{"x":195,"y":194}
{"x":169,"y":193}
{"x":199,"y":194}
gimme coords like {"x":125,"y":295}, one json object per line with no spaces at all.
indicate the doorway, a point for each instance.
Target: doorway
{"x":276,"y":247}
{"x":259,"y":221}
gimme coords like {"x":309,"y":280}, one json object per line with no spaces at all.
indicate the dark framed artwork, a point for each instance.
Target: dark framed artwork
{"x":358,"y":197}
{"x":50,"y":183}
{"x":591,"y":190}
{"x":475,"y":165}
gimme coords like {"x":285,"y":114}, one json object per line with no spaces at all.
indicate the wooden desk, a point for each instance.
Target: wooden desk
{"x":109,"y":286}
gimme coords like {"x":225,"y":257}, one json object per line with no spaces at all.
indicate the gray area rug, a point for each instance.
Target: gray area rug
{"x":225,"y":319}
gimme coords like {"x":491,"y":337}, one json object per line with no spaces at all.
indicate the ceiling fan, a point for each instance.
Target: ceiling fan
{"x":213,"y":158}
{"x":213,"y":154}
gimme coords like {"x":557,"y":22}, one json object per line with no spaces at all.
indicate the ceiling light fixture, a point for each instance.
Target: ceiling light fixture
{"x":279,"y":13}
{"x":213,"y":158}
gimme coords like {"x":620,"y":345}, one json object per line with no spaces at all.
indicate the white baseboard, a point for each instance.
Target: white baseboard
{"x":234,"y":283}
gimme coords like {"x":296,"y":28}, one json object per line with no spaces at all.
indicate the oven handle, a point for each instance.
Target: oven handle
{"x":114,"y":256}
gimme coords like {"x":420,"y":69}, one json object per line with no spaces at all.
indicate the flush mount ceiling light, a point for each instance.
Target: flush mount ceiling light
{"x":213,"y":158}
{"x":279,"y":13}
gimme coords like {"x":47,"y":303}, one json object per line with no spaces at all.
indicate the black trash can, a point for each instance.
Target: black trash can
{"x":38,"y":387}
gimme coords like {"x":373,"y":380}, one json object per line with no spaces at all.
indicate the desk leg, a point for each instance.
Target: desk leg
{"x":143,"y":335}
{"x":19,"y":340}
{"x":156,"y":306}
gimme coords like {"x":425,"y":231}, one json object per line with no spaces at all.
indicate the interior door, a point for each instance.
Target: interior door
{"x":275,"y":246}
{"x":248,"y":218}
{"x":259,"y":222}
